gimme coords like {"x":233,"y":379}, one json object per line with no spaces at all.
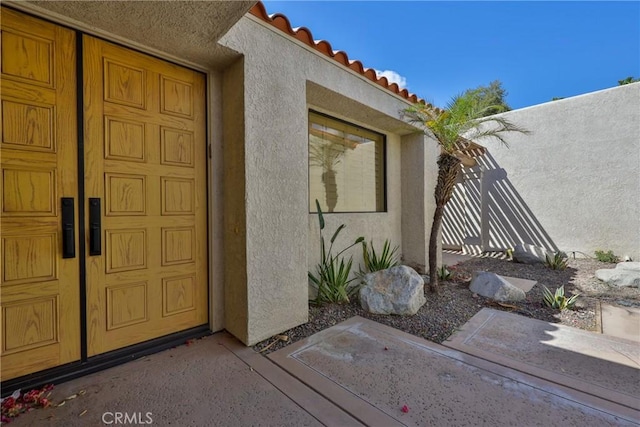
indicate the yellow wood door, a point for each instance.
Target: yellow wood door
{"x":40,"y":320}
{"x":145,"y":162}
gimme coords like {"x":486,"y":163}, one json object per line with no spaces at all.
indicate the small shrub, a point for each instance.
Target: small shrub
{"x":331,"y":276}
{"x":444,"y":273}
{"x":558,"y":261}
{"x":509,"y":253}
{"x":558,"y":300}
{"x":374,"y":261}
{"x":608,"y":256}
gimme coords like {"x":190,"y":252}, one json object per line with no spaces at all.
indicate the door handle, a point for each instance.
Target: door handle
{"x":68,"y":228}
{"x":95,"y":227}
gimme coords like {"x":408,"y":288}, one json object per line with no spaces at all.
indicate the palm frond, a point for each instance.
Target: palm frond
{"x":465,"y":116}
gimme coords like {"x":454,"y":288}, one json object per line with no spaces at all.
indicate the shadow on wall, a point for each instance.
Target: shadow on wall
{"x":486,"y":213}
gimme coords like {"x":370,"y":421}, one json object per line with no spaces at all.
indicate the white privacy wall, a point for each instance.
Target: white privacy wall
{"x":576,"y":179}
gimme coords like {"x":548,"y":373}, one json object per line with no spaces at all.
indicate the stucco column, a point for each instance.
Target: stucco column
{"x":266,"y":201}
{"x":419,"y":175}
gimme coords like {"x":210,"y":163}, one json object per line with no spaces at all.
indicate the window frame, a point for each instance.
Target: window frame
{"x":384,"y":164}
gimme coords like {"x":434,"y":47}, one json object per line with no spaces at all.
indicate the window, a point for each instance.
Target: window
{"x":346,"y":166}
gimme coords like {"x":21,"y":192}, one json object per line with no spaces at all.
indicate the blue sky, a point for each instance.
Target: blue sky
{"x":539,"y":50}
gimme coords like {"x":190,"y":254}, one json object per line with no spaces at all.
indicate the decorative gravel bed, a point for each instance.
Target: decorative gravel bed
{"x":443,"y":313}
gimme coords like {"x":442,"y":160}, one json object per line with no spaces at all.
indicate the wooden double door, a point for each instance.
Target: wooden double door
{"x":103,"y":230}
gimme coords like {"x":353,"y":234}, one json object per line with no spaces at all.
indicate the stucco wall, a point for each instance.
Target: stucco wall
{"x":283,"y":79}
{"x":574,"y":183}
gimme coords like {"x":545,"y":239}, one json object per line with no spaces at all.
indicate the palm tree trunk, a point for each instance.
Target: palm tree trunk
{"x":448,"y":166}
{"x":433,"y":249}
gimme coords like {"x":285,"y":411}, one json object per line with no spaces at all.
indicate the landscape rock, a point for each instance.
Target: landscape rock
{"x":490,"y":285}
{"x":397,"y":290}
{"x":626,"y":274}
{"x":631,"y":266}
{"x":529,"y":254}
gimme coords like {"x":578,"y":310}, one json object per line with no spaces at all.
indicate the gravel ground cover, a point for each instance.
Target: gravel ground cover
{"x":445,"y":312}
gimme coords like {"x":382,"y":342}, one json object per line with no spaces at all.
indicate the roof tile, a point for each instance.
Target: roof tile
{"x":303,"y":34}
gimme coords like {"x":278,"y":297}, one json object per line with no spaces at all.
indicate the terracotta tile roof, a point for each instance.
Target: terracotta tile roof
{"x":281,"y":22}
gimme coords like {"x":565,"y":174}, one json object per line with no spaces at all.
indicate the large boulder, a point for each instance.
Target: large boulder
{"x":492,"y":286}
{"x":626,"y":274}
{"x":397,"y":290}
{"x":529,"y":254}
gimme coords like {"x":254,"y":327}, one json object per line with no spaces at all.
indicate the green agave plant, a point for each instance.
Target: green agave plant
{"x":332,"y":281}
{"x":331,"y":276}
{"x":376,"y":261}
{"x":444,"y":273}
{"x":558,"y":261}
{"x":558,"y":300}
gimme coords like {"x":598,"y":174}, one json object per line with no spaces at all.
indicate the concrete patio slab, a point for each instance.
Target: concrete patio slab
{"x":372,"y":371}
{"x":621,"y":322}
{"x":603,"y":366}
{"x":452,"y":258}
{"x":215,"y":381}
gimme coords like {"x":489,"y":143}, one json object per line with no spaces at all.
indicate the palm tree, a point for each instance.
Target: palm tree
{"x":463,"y":120}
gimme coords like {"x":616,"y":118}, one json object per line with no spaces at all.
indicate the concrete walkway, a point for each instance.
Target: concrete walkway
{"x":215,"y":381}
{"x":356,"y":373}
{"x":373,"y":371}
{"x":603,"y":366}
{"x":621,"y":322}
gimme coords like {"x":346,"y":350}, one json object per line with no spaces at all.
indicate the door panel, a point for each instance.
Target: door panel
{"x":144,"y":130}
{"x":40,"y":319}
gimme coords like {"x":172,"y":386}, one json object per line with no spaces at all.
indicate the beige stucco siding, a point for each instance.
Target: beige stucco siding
{"x":283,"y":79}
